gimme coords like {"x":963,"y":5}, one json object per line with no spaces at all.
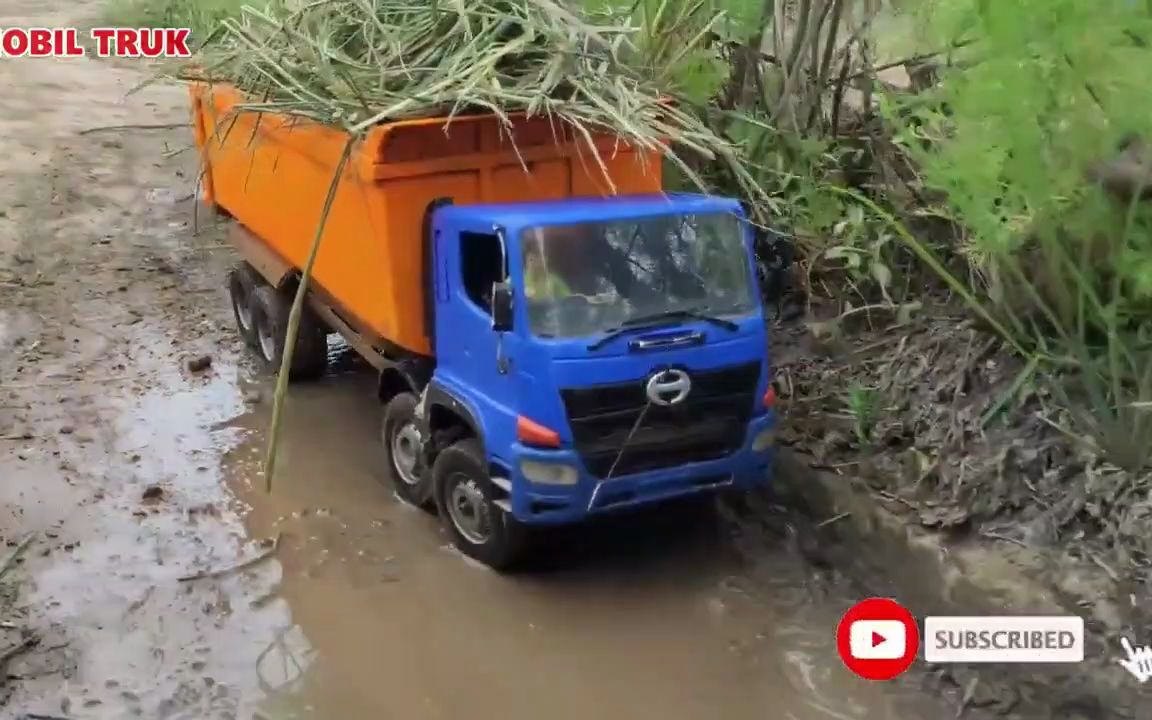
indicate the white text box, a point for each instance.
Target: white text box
{"x":1004,"y":639}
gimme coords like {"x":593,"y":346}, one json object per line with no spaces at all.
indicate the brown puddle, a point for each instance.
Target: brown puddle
{"x":654,"y":616}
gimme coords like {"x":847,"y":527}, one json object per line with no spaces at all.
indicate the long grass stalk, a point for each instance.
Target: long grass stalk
{"x":293,"y":329}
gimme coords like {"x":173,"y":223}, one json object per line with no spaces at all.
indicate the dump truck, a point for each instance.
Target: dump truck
{"x":555,"y":337}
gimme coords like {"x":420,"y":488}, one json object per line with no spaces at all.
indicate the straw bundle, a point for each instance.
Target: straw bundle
{"x":355,"y":63}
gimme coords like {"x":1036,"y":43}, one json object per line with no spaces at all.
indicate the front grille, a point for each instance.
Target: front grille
{"x":708,"y":425}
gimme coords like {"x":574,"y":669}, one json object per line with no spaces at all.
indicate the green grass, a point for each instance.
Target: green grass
{"x":202,"y":16}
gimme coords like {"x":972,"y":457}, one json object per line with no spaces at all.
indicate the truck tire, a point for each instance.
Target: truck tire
{"x":401,"y":438}
{"x":241,"y":283}
{"x":270,"y":310}
{"x":464,"y":495}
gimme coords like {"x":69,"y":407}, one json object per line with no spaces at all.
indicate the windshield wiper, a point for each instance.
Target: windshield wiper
{"x":682,"y":314}
{"x":647,"y":322}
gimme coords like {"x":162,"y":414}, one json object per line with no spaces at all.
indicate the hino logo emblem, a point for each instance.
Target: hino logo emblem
{"x":668,"y":387}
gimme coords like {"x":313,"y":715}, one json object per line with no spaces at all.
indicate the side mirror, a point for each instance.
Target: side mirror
{"x":501,"y":307}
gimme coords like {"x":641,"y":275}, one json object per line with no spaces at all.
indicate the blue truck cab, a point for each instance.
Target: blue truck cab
{"x":590,"y":355}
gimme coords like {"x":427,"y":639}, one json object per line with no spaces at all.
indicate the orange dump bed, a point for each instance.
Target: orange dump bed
{"x":272,"y":174}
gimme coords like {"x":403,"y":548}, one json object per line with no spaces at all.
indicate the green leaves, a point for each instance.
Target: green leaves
{"x":862,"y":405}
{"x":699,"y":75}
{"x":744,"y":19}
{"x":1055,"y":86}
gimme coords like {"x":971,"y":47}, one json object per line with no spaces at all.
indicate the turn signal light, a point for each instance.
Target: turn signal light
{"x":770,"y":396}
{"x":530,"y":432}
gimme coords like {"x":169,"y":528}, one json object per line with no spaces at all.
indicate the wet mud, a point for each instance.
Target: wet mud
{"x":161,"y":581}
{"x":663,"y":614}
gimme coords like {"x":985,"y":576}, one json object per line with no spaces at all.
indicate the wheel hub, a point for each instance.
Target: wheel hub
{"x":406,"y":453}
{"x":267,"y":342}
{"x":243,"y":312}
{"x":468,"y":509}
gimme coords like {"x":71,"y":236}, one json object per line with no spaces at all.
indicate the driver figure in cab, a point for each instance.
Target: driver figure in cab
{"x":552,"y":261}
{"x":540,"y":283}
{"x":562,"y":262}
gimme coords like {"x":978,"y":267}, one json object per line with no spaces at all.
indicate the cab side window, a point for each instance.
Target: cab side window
{"x":481,"y":264}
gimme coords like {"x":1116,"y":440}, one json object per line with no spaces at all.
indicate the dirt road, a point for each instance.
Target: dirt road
{"x":131,"y":473}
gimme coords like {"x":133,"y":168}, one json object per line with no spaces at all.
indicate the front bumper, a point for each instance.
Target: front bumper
{"x":540,"y":504}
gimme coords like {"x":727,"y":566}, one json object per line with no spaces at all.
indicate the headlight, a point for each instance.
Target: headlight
{"x":764,"y":440}
{"x":546,"y":473}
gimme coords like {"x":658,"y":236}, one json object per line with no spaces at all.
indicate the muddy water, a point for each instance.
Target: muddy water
{"x":653,"y":616}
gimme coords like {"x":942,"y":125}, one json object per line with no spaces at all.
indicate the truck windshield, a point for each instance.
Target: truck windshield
{"x":584,"y":279}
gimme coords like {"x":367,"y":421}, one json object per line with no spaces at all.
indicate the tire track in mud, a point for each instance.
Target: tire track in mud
{"x":105,"y":294}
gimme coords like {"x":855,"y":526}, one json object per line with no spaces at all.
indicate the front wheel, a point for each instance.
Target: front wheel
{"x":403,"y":449}
{"x":480,"y":528}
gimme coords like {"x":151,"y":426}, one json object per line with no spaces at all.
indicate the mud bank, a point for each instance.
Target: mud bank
{"x":935,"y":574}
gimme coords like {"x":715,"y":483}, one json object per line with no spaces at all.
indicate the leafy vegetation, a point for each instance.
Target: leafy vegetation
{"x":1015,"y":145}
{"x":861,"y":406}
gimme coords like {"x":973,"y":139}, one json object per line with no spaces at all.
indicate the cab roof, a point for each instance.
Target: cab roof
{"x":571,"y":211}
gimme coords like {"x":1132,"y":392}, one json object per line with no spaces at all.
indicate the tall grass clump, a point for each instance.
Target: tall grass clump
{"x":1037,"y":146}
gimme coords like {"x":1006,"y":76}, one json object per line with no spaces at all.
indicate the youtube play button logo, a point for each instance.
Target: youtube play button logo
{"x":877,"y":639}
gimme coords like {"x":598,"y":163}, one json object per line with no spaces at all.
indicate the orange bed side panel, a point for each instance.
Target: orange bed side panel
{"x":272,"y":173}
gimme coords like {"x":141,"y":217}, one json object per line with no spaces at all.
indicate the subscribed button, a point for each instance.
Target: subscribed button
{"x":1004,"y":639}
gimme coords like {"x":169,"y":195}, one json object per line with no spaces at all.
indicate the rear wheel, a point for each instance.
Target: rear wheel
{"x":269,"y":313}
{"x":480,"y":528}
{"x":241,"y":283}
{"x":403,"y":448}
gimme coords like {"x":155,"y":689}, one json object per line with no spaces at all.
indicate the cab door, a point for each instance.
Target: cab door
{"x":474,"y":362}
